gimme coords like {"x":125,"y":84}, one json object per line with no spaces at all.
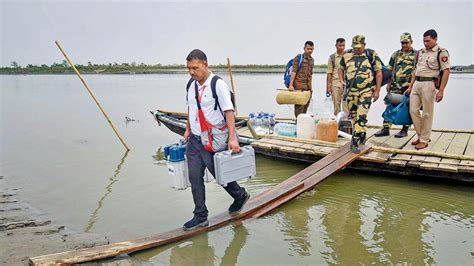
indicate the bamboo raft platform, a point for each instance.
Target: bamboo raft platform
{"x":256,"y":207}
{"x":450,"y":154}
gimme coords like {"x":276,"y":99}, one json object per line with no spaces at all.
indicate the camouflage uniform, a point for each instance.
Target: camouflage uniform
{"x":359,"y":97}
{"x":401,"y":65}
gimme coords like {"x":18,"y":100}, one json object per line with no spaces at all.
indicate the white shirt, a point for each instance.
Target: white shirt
{"x":212,"y":116}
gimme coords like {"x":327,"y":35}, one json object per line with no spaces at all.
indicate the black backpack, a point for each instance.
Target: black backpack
{"x":214,"y":93}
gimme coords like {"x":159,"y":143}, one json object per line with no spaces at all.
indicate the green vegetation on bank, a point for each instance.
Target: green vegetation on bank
{"x":122,"y":68}
{"x":134,"y":68}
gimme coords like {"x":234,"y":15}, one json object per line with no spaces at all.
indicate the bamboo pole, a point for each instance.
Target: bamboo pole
{"x":232,"y":84}
{"x":252,"y":131}
{"x":374,"y":148}
{"x":424,"y":153}
{"x":93,"y":97}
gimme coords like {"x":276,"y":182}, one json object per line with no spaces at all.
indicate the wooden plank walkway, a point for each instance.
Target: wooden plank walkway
{"x":467,"y":166}
{"x":257,"y":206}
{"x":441,"y":154}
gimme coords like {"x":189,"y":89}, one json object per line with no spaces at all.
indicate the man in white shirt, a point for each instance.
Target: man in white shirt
{"x":199,"y":158}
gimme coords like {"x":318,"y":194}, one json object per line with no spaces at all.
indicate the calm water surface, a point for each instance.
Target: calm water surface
{"x":57,"y":147}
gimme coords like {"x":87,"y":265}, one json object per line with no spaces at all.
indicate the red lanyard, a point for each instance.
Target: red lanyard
{"x":202,"y":92}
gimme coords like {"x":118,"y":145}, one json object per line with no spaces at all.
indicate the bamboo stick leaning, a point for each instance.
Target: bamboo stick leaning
{"x":93,"y":97}
{"x":232,"y":84}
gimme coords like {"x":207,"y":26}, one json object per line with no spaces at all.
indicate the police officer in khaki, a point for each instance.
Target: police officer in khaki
{"x":333,"y":85}
{"x":431,"y":73}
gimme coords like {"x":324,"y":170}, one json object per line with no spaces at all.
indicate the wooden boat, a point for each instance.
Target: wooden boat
{"x":450,"y":154}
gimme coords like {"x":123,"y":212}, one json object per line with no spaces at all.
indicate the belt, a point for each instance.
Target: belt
{"x":425,"y":78}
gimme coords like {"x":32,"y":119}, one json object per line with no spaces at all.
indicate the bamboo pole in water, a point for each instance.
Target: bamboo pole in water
{"x":232,"y":84}
{"x":93,"y":97}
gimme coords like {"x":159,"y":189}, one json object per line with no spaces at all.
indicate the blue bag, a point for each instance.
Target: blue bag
{"x":398,"y":114}
{"x":289,"y":69}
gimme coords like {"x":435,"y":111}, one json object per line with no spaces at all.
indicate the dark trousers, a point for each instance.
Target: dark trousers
{"x":198,"y":159}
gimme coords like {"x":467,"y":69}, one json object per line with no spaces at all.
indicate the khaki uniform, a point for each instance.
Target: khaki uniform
{"x":336,"y":85}
{"x":303,"y":80}
{"x":423,"y":92}
{"x":359,"y":97}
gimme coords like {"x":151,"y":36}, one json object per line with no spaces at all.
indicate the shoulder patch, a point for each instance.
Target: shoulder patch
{"x":444,"y":59}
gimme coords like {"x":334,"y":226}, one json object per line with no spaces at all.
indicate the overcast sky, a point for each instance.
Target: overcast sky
{"x":248,"y":32}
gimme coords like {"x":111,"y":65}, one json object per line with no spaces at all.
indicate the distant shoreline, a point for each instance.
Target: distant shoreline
{"x":69,"y":71}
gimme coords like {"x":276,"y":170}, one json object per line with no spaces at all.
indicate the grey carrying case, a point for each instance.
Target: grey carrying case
{"x":231,"y":167}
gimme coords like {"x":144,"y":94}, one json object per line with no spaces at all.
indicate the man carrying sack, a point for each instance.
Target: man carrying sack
{"x":302,"y":79}
{"x":210,"y":128}
{"x":402,"y":63}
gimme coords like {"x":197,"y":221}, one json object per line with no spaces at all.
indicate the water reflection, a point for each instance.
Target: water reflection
{"x":194,"y":252}
{"x":197,"y":250}
{"x":232,"y":251}
{"x":295,"y":227}
{"x":94,"y":216}
{"x":159,"y":156}
{"x":369,"y":222}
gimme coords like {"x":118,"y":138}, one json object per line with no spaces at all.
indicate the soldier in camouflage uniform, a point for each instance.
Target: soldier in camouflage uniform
{"x":402,"y":63}
{"x":358,"y":66}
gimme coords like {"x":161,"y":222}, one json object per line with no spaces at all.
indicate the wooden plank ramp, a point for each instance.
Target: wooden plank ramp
{"x":257,"y":206}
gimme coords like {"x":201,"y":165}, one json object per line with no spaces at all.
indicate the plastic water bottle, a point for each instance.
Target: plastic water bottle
{"x":292,"y":130}
{"x":327,"y":105}
{"x":263,"y":127}
{"x":271,"y":129}
{"x":252,"y":119}
{"x":287,"y":130}
{"x":258,"y":123}
{"x":276,"y":129}
{"x":266,"y":123}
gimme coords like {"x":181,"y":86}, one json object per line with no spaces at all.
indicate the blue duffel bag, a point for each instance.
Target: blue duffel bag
{"x":398,"y":114}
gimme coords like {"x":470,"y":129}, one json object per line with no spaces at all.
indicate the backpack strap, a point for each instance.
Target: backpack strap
{"x":300,"y":62}
{"x":214,"y":95}
{"x":333,"y":60}
{"x":190,"y":81}
{"x":214,"y":92}
{"x":416,"y":57}
{"x":370,"y":56}
{"x":196,"y":95}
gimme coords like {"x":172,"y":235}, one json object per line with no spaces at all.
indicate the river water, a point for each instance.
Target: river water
{"x":58,"y":149}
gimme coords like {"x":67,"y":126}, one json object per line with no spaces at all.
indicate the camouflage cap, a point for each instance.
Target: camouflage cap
{"x":358,"y":41}
{"x":405,"y":37}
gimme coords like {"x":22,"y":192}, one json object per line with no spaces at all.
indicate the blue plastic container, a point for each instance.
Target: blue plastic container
{"x":175,"y":152}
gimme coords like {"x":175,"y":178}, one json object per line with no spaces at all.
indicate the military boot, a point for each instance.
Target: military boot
{"x":355,"y":144}
{"x":403,"y":133}
{"x":362,"y":138}
{"x":383,"y":132}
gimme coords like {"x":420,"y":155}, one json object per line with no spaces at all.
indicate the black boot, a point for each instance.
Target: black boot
{"x":355,"y":144}
{"x":403,"y":133}
{"x":362,"y":138}
{"x":383,"y":132}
